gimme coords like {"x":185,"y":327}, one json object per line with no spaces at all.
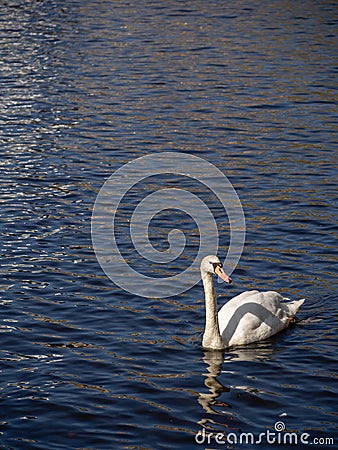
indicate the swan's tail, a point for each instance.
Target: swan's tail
{"x":293,"y":307}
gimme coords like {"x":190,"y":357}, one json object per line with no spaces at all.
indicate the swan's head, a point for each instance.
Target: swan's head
{"x":212,"y":265}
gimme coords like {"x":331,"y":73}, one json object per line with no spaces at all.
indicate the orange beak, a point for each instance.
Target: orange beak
{"x":220,"y":272}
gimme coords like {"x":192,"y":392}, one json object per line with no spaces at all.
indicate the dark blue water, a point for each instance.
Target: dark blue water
{"x":87,"y":86}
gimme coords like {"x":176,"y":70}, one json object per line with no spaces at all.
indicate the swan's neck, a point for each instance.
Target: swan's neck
{"x":211,"y":338}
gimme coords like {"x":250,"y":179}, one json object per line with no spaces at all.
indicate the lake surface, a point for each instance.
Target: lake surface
{"x":87,"y":86}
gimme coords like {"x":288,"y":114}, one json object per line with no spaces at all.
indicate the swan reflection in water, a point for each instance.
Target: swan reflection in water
{"x":216,"y":361}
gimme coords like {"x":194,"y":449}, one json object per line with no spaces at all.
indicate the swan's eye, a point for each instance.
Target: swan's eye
{"x":216,"y":265}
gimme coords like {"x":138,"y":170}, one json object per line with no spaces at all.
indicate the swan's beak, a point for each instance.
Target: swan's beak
{"x":220,"y":272}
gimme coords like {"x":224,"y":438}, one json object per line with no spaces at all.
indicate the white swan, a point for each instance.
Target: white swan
{"x":249,"y":317}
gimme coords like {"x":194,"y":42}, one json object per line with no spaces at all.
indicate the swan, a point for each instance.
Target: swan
{"x":249,"y":317}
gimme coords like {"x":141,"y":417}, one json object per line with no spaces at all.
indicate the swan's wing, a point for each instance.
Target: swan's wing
{"x":291,"y":308}
{"x":246,"y":302}
{"x":278,"y":305}
{"x":253,"y":316}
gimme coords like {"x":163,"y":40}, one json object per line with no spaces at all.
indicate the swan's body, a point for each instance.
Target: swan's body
{"x":249,"y":317}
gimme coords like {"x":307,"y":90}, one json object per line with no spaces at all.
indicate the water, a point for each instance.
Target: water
{"x":90,"y":85}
